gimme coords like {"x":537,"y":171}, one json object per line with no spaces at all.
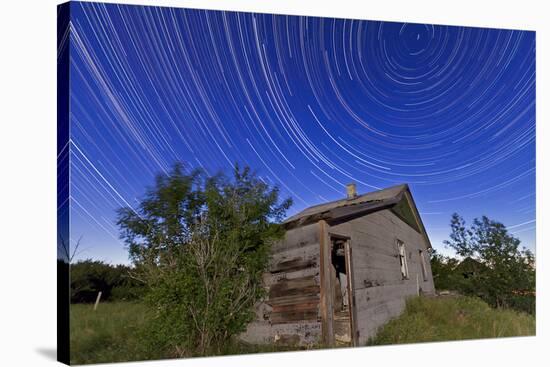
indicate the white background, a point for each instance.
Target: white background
{"x":28,"y":182}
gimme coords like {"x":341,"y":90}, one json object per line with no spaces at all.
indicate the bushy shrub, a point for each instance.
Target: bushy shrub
{"x":201,"y":244}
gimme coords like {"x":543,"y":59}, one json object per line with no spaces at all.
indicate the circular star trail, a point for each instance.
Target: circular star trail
{"x":310,"y":103}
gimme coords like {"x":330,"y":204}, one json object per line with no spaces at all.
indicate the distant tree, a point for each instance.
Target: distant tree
{"x":201,"y":244}
{"x":443,"y":271}
{"x":64,"y":251}
{"x":507,"y":270}
{"x":88,"y":277}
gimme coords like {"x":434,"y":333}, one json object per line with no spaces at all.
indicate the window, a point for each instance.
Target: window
{"x":423,"y":265}
{"x":403,"y":259}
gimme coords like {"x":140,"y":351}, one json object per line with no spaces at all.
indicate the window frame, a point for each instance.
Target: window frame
{"x":423,"y":265}
{"x":402,"y":255}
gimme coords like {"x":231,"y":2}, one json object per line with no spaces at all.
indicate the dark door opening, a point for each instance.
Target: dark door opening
{"x":341,"y":291}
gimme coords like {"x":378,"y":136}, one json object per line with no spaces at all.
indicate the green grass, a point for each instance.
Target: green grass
{"x":109,"y":334}
{"x":453,"y":318}
{"x":112,"y":333}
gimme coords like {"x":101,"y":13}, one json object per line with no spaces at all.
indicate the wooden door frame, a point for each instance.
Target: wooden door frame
{"x":326,"y":306}
{"x":350,"y":283}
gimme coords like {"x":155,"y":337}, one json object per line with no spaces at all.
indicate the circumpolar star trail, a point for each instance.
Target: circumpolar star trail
{"x":310,"y":103}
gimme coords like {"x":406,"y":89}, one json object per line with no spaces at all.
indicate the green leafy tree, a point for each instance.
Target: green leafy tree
{"x":506,"y":272}
{"x":443,"y":271}
{"x":201,"y":245}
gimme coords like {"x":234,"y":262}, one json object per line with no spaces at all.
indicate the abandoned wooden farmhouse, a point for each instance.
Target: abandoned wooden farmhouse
{"x":344,"y":269}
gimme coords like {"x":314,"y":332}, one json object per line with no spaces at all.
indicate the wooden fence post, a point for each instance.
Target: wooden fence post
{"x":97,"y":300}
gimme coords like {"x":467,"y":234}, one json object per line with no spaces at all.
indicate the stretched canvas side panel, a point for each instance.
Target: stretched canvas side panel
{"x":63,"y":179}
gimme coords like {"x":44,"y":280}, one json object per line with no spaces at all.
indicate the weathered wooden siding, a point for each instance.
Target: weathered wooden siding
{"x":290,"y":312}
{"x":380,"y":290}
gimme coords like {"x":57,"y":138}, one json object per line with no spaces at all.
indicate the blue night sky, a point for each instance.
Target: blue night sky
{"x":311,"y":103}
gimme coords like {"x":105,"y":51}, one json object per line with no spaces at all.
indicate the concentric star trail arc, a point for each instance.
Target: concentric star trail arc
{"x":310,"y":103}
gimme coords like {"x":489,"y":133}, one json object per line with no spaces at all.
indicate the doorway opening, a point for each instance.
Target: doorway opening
{"x":341,"y":291}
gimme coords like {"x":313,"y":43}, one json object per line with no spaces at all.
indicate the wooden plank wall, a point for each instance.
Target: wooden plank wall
{"x":380,"y":290}
{"x":290,"y":312}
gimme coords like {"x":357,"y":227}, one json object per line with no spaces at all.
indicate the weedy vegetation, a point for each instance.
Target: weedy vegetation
{"x":453,"y":318}
{"x":109,"y":334}
{"x":119,"y":332}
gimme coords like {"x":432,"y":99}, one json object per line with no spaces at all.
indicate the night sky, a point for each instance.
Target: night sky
{"x":310,"y":103}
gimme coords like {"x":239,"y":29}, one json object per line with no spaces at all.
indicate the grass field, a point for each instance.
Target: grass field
{"x":109,"y":334}
{"x":112,"y":333}
{"x":453,"y":318}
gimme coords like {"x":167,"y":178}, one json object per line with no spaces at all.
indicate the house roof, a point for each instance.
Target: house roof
{"x":347,"y":209}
